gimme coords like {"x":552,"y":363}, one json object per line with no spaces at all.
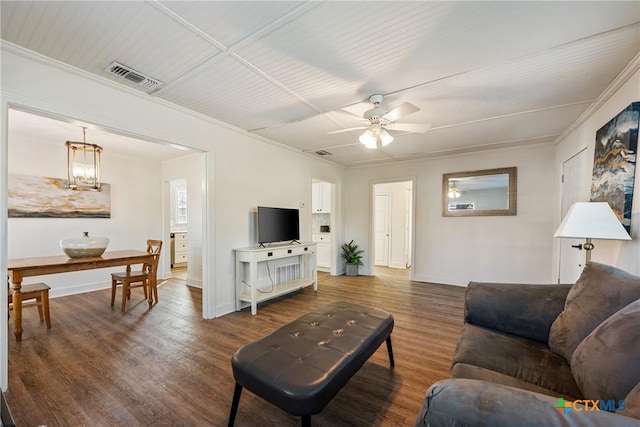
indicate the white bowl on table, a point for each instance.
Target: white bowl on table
{"x":85,"y":246}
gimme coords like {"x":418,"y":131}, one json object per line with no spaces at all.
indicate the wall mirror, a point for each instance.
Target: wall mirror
{"x":489,"y":192}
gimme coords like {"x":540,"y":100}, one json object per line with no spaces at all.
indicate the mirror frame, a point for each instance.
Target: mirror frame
{"x":513,"y":192}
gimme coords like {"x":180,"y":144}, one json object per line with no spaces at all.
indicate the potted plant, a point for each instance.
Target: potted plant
{"x":352,"y":255}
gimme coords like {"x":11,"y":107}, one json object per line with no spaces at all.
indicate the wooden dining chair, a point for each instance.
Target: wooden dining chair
{"x":38,"y":292}
{"x":144,"y":278}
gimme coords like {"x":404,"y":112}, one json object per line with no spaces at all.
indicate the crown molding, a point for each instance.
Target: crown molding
{"x":6,"y":46}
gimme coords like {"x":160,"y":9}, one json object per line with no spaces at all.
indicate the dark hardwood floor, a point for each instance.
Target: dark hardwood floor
{"x":166,"y":366}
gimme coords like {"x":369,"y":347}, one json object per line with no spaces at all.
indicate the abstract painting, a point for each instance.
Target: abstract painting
{"x":614,"y":163}
{"x":39,"y":197}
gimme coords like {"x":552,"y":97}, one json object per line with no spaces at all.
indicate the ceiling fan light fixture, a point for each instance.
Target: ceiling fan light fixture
{"x":368,"y":139}
{"x":385,"y":137}
{"x":377,"y":120}
{"x":454,"y":193}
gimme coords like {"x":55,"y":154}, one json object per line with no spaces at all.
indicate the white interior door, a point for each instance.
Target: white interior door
{"x":576,"y":174}
{"x":382,"y":227}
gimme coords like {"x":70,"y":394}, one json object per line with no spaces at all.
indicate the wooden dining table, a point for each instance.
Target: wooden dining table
{"x":19,"y":268}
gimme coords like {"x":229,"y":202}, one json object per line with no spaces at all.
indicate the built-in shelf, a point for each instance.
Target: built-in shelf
{"x":278,"y":290}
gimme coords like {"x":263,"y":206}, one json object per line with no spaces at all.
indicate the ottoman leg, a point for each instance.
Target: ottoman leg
{"x":234,"y":405}
{"x":390,"y":350}
{"x":306,"y":421}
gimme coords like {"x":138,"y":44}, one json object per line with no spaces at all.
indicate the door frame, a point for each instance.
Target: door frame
{"x":372,"y":232}
{"x":333,"y":224}
{"x":36,"y":106}
{"x":564,"y":208}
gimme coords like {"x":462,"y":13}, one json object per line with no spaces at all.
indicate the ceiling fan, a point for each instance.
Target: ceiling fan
{"x":377,"y":121}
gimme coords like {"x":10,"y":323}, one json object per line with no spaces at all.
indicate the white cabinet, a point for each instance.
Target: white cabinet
{"x":179,"y":250}
{"x":324,"y":255}
{"x":324,"y":250}
{"x":321,"y":197}
{"x":303,"y":253}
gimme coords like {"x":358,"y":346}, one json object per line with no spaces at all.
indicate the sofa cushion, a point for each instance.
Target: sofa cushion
{"x":526,"y":360}
{"x":606,"y":363}
{"x":462,"y":402}
{"x":632,"y":403}
{"x":600,"y":291}
{"x":515,"y":308}
{"x":470,"y":372}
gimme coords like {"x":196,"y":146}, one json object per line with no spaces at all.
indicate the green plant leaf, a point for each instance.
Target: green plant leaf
{"x":351,"y":253}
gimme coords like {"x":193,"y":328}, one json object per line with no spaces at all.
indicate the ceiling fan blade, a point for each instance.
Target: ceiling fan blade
{"x":401,"y":111}
{"x":409,"y":127}
{"x":349,"y":114}
{"x":346,"y":130}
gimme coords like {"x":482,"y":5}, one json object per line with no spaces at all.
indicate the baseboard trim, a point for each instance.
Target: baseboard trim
{"x":439,"y":280}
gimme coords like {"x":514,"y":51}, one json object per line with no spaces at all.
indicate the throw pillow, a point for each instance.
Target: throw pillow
{"x":600,"y":291}
{"x":605,"y":365}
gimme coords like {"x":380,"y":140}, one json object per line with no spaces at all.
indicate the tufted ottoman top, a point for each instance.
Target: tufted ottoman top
{"x":301,"y":366}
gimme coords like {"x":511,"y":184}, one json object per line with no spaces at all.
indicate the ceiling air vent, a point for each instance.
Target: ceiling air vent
{"x":132,"y":75}
{"x":323,"y":153}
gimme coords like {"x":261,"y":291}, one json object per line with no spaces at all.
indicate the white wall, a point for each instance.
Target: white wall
{"x":456,"y":250}
{"x":623,"y":254}
{"x":242,"y":171}
{"x":135,"y":201}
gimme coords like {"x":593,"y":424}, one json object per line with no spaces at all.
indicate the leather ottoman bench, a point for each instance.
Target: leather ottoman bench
{"x":301,"y":366}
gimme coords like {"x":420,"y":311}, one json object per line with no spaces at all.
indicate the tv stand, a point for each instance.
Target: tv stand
{"x":306,"y":258}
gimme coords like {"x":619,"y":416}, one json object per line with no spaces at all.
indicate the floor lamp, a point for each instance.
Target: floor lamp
{"x":591,"y":220}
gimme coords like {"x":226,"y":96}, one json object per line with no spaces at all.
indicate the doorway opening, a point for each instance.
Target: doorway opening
{"x":392,"y":233}
{"x":323,"y":224}
{"x":178,"y":227}
{"x":131,"y":165}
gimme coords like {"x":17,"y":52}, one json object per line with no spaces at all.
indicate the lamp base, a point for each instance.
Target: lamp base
{"x":588,"y":247}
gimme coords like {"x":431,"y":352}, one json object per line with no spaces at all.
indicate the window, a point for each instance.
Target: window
{"x":181,"y":207}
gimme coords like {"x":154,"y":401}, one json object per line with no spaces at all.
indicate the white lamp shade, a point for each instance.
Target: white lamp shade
{"x":385,"y":137}
{"x":368,"y":139}
{"x":593,"y":220}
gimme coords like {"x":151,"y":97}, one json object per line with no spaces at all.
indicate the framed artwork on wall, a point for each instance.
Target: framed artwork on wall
{"x":41,"y":197}
{"x":614,"y":163}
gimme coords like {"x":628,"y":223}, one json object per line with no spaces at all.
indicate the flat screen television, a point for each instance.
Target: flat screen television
{"x":278,"y":225}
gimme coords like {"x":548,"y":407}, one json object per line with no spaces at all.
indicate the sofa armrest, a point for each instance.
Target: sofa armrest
{"x":463,"y":402}
{"x":519,"y":309}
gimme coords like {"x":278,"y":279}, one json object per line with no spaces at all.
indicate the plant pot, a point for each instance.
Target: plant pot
{"x":352,"y":269}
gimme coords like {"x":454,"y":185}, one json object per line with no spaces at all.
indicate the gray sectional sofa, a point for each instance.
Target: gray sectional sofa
{"x":545,"y":355}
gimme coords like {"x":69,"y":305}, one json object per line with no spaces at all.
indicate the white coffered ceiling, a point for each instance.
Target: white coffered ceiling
{"x":484,"y":74}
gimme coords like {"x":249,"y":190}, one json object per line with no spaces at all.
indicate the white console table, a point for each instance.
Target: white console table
{"x":306,"y":258}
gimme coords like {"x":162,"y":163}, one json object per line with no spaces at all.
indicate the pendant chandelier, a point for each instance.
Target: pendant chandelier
{"x":83,"y":164}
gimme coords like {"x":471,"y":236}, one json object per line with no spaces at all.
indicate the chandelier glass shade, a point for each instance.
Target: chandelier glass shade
{"x":83,"y":165}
